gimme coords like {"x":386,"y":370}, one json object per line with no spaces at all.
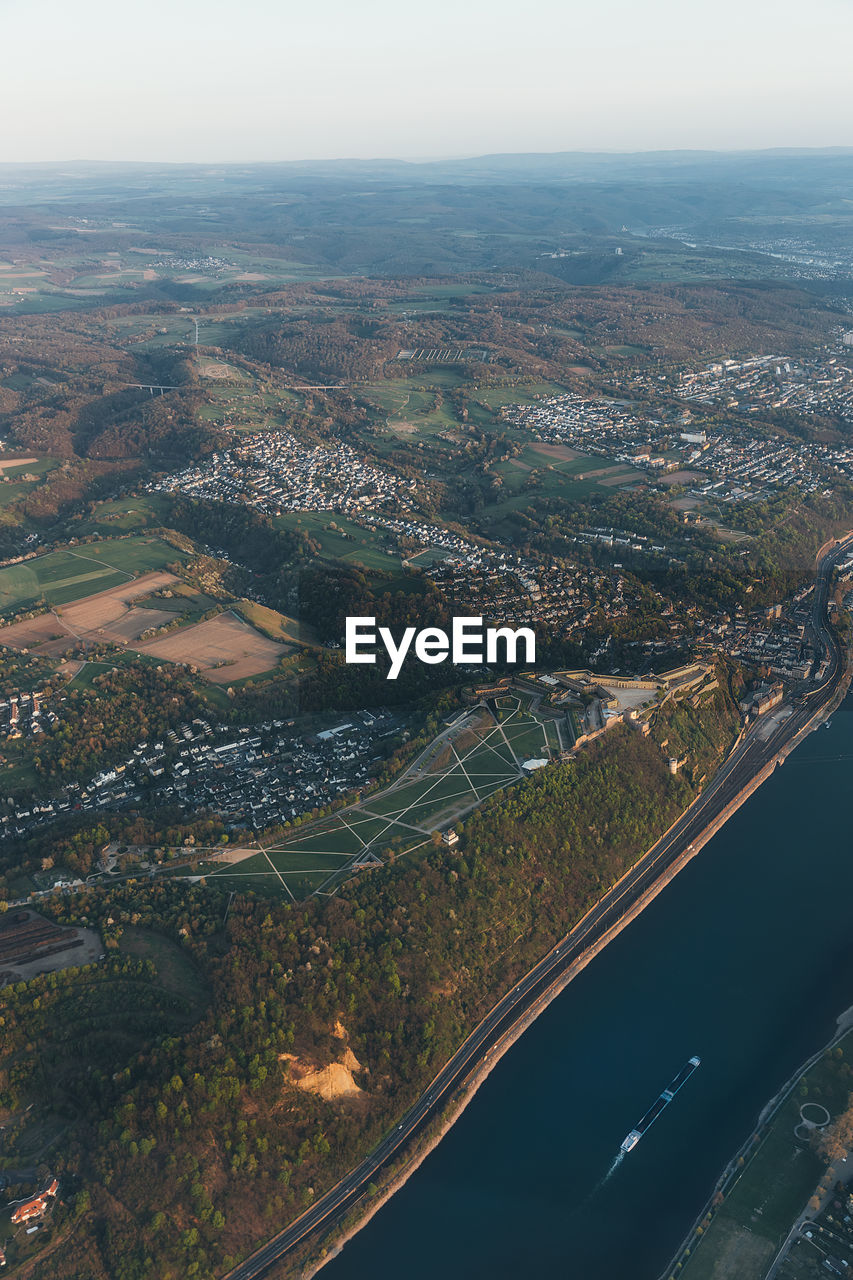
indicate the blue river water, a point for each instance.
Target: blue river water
{"x":746,"y":959}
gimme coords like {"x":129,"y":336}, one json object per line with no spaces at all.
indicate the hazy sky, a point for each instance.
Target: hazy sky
{"x":294,"y":79}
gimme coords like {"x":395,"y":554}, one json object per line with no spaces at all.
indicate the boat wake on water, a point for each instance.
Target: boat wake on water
{"x":602,"y":1182}
{"x":620,"y":1156}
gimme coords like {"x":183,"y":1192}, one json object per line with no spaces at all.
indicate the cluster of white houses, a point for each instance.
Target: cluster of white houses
{"x":274,"y":472}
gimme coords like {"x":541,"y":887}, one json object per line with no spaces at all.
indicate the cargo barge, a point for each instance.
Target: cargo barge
{"x":662,"y":1101}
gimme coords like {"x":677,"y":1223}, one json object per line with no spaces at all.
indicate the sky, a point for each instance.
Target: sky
{"x":257,"y":80}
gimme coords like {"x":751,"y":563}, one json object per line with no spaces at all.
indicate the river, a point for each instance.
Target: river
{"x":746,"y":959}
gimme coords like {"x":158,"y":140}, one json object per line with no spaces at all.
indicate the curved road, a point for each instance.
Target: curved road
{"x":752,"y":754}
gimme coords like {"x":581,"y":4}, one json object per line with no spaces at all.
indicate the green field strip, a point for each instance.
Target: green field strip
{"x":465,"y":774}
{"x":491,"y":775}
{"x":456,"y":790}
{"x":307,"y":883}
{"x":510,"y":747}
{"x":529,"y":739}
{"x":430,"y":811}
{"x":255,"y":865}
{"x":275,"y":869}
{"x":460,"y":800}
{"x":281,"y":863}
{"x":398,"y":822}
{"x":518,"y":728}
{"x":438,"y":787}
{"x":285,"y":860}
{"x":369,"y":829}
{"x":337,"y":840}
{"x":230,"y":873}
{"x":499,"y":755}
{"x":93,"y":560}
{"x":270,"y":883}
{"x":421,"y":807}
{"x":499,"y":750}
{"x":351,"y":827}
{"x":489,"y":788}
{"x":395,"y":802}
{"x":323,"y":858}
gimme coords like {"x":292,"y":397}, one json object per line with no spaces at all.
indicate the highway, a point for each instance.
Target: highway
{"x":754,"y":752}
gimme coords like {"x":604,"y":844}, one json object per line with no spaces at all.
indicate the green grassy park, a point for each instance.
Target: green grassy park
{"x":460,"y":770}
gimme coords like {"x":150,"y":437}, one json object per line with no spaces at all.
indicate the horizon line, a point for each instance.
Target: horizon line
{"x":462,"y":157}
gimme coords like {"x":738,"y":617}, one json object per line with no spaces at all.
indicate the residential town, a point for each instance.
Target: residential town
{"x":274,"y":472}
{"x":501,"y":585}
{"x":823,"y":385}
{"x":778,"y":640}
{"x":725,"y":463}
{"x":250,"y":777}
{"x":599,"y":427}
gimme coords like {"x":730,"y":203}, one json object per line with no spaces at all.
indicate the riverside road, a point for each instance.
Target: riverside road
{"x":754,"y":753}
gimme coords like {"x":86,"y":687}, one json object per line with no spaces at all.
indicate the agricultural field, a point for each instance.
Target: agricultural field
{"x":74,"y":280}
{"x":17,"y":281}
{"x":155,"y":329}
{"x":94,"y":598}
{"x":557,"y":466}
{"x":420,"y":407}
{"x":108,"y":616}
{"x":240,"y":405}
{"x":416,"y":406}
{"x":225,"y":649}
{"x":460,"y":769}
{"x":535,"y":474}
{"x":73,"y":573}
{"x":74,"y":276}
{"x":219,"y":369}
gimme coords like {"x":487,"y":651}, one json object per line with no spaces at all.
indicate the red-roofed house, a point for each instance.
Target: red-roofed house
{"x":32,"y":1209}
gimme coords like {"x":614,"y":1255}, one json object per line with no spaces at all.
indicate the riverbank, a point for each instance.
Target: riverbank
{"x":403,"y":1171}
{"x":726,"y":1230}
{"x":732,"y":1172}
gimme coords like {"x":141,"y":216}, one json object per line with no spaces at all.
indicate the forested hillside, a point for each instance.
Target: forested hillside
{"x":187,"y":1151}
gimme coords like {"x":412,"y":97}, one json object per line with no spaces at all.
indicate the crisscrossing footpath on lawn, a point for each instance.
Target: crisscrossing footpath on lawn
{"x":467,"y":762}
